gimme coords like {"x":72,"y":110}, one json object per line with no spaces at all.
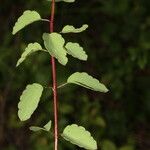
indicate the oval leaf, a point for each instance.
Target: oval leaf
{"x":87,"y":81}
{"x":79,"y":136}
{"x":68,"y":1}
{"x":75,"y":50}
{"x":47,"y":127}
{"x":31,"y":48}
{"x":29,"y":101}
{"x":54,"y":43}
{"x":72,"y":29}
{"x":27,"y":18}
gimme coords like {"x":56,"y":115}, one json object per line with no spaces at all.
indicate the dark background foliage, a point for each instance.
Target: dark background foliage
{"x":118,"y":45}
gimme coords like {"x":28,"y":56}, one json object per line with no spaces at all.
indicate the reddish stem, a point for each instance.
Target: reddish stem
{"x":54,"y":81}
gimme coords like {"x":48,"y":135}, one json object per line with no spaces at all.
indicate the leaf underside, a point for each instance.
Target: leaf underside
{"x":29,"y":101}
{"x":31,"y":48}
{"x":79,"y":136}
{"x":47,"y":127}
{"x":72,"y":29}
{"x":54,"y":43}
{"x":68,"y":1}
{"x":87,"y":81}
{"x":27,"y":18}
{"x":75,"y":50}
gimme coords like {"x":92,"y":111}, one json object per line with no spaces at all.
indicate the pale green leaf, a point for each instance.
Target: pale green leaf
{"x":108,"y":145}
{"x":27,"y":18}
{"x":29,"y":101}
{"x":47,"y":127}
{"x":54,"y":43}
{"x":72,"y":29}
{"x":35,"y":128}
{"x":127,"y":147}
{"x":31,"y":48}
{"x":79,"y":136}
{"x":68,"y":1}
{"x":75,"y":50}
{"x":87,"y":81}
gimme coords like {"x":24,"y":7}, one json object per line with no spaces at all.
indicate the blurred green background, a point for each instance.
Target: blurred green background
{"x":118,"y":45}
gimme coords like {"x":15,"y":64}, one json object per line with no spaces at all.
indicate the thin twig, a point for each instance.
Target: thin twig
{"x":45,"y":20}
{"x":62,"y":85}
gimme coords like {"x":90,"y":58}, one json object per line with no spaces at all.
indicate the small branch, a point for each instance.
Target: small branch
{"x":62,"y":85}
{"x":45,"y":20}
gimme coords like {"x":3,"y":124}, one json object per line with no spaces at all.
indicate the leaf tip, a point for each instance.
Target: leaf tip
{"x":17,"y":65}
{"x":106,"y":90}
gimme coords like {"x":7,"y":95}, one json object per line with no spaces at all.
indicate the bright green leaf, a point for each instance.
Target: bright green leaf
{"x":29,"y":101}
{"x":72,"y":29}
{"x":108,"y":145}
{"x":68,"y":1}
{"x":76,"y":51}
{"x":54,"y":43}
{"x":87,"y":81}
{"x":27,"y":18}
{"x":127,"y":147}
{"x":47,"y":127}
{"x":79,"y":136}
{"x":31,"y":48}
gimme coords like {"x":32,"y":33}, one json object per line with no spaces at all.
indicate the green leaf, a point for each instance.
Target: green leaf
{"x":72,"y":29}
{"x":68,"y":1}
{"x":27,"y":18}
{"x":79,"y":136}
{"x":87,"y":81}
{"x":35,"y":128}
{"x":31,"y":48}
{"x":29,"y":101}
{"x":75,"y":50}
{"x":127,"y":147}
{"x":54,"y":43}
{"x":47,"y":127}
{"x":108,"y":145}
